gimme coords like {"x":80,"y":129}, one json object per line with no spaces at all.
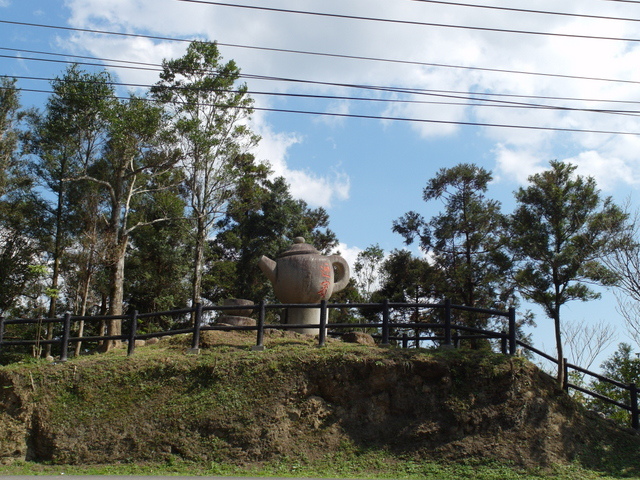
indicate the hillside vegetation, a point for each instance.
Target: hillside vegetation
{"x":300,"y":404}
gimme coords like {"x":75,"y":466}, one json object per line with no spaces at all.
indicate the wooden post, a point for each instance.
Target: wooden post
{"x":633,"y":393}
{"x":503,"y":342}
{"x":512,"y":331}
{"x":565,"y":383}
{"x":385,"y":322}
{"x":132,"y":333}
{"x":405,"y":340}
{"x":260,"y":336}
{"x":1,"y":332}
{"x":323,"y":323}
{"x":65,"y":337}
{"x":447,"y":322}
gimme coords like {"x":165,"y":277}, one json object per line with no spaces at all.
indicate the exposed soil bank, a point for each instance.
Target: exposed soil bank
{"x":295,"y":400}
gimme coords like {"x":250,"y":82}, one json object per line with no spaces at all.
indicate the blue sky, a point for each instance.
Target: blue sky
{"x":368,"y":172}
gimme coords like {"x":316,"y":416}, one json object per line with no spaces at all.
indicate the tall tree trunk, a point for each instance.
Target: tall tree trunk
{"x":57,"y":253}
{"x":53,"y":298}
{"x":84,"y":301}
{"x":116,"y":291}
{"x":198,"y":264}
{"x":560,"y":350}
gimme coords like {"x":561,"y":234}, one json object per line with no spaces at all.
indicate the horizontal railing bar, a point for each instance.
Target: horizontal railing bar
{"x":29,"y":342}
{"x":487,"y":311}
{"x":598,"y":376}
{"x":599,"y":396}
{"x":539,"y":352}
{"x":227,"y":328}
{"x":255,"y":307}
{"x":26,"y":321}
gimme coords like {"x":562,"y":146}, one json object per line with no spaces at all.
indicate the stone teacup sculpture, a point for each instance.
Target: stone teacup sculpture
{"x":302,"y":275}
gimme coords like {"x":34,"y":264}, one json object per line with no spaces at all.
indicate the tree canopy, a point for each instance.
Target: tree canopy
{"x":560,"y":231}
{"x":152,"y":202}
{"x":465,"y":243}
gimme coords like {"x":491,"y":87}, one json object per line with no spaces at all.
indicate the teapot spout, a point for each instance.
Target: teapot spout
{"x":268,"y":267}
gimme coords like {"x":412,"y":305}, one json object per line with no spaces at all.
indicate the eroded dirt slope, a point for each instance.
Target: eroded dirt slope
{"x":297,"y":400}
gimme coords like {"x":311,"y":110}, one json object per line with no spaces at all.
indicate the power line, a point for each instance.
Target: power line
{"x":429,"y":64}
{"x":333,"y":55}
{"x":310,"y":53}
{"x":623,"y":1}
{"x":450,"y":122}
{"x":68,"y":55}
{"x":526,"y":10}
{"x":352,"y":17}
{"x":410,"y":91}
{"x":468,"y":99}
{"x":386,"y":89}
{"x":89,"y":64}
{"x":408,"y":22}
{"x":420,"y":120}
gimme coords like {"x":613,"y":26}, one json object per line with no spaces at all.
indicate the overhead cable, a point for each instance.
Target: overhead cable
{"x":332,"y":55}
{"x":527,"y":10}
{"x":412,"y":91}
{"x":422,"y":120}
{"x":624,"y":1}
{"x":408,"y":22}
{"x":467,"y":99}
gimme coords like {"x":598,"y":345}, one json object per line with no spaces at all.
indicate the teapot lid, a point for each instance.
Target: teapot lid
{"x":299,"y":247}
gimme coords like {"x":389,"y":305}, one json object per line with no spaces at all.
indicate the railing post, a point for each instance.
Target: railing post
{"x":1,"y":332}
{"x":260,"y":336}
{"x":565,"y":381}
{"x":503,"y":342}
{"x":633,"y":393}
{"x":512,"y":331}
{"x":66,"y":330}
{"x":385,"y":322}
{"x":323,"y":323}
{"x":132,"y":333}
{"x":447,"y":322}
{"x":197,"y":323}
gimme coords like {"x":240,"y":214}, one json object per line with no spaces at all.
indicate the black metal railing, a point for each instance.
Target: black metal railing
{"x":632,"y":407}
{"x":449,"y":333}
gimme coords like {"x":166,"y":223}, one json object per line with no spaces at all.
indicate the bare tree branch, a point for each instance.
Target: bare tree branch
{"x":586,"y":342}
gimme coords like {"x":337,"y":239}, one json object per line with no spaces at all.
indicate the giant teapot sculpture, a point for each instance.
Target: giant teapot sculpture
{"x":302,"y":275}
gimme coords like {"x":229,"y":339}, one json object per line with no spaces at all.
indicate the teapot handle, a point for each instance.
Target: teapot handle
{"x":341,"y":272}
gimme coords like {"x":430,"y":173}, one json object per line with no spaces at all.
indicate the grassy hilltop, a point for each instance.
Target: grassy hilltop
{"x":297,"y":409}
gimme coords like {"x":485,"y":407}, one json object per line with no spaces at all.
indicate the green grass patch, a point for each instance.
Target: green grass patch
{"x":230,"y":410}
{"x":370,"y":465}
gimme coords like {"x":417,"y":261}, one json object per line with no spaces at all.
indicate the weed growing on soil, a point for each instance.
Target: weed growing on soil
{"x":297,"y":409}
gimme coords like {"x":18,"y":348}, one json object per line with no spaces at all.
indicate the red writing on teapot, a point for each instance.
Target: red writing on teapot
{"x":325,"y":271}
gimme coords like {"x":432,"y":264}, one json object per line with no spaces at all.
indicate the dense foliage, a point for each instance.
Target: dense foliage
{"x":560,"y":232}
{"x":624,"y":367}
{"x":111,"y":203}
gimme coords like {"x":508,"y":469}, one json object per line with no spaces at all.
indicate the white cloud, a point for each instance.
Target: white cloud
{"x":349,"y":253}
{"x":518,"y":164}
{"x":607,"y":171}
{"x":518,"y":152}
{"x":335,"y":114}
{"x":316,"y":190}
